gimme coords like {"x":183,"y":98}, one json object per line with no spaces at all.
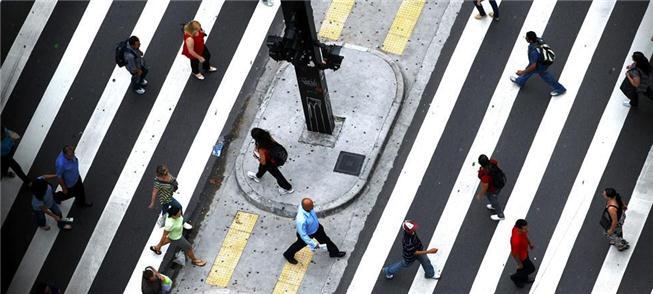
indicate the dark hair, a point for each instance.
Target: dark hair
{"x":641,"y":62}
{"x":483,"y":160}
{"x":173,"y":210}
{"x":148,"y":273}
{"x":612,"y":194}
{"x":531,"y":36}
{"x":520,"y":223}
{"x":262,"y":138}
{"x":133,"y":40}
{"x":66,"y":147}
{"x":38,"y":188}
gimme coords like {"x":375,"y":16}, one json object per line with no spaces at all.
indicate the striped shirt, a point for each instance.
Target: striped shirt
{"x":410,"y":244}
{"x":165,"y":190}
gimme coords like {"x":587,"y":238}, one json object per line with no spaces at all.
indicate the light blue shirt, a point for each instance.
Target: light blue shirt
{"x":48,"y":199}
{"x":307,"y":224}
{"x":68,"y":170}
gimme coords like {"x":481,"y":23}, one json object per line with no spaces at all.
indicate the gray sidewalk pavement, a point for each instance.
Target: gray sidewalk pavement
{"x":261,"y":261}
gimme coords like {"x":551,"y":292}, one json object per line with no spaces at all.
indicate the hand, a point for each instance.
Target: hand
{"x":202,"y":60}
{"x":520,"y":72}
{"x":432,"y":251}
{"x":64,"y":190}
{"x":151,"y":205}
{"x":479,"y":196}
{"x":531,"y":246}
{"x":520,"y":266}
{"x":610,"y":232}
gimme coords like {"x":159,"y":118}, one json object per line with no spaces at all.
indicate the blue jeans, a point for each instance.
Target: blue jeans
{"x":493,"y":199}
{"x":173,"y":202}
{"x":39,"y":215}
{"x":429,"y":271}
{"x":545,"y":75}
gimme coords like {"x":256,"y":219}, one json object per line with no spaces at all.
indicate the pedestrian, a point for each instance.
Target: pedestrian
{"x":173,"y":234}
{"x":481,"y":12}
{"x":270,"y":155}
{"x":492,"y":181}
{"x":412,"y":250}
{"x":9,"y":142}
{"x":195,"y":49}
{"x":43,"y":203}
{"x":308,"y":228}
{"x":67,"y":166}
{"x":613,"y":218}
{"x":539,"y":58}
{"x":133,"y":56}
{"x":45,"y":288}
{"x":519,"y":246}
{"x":165,"y":185}
{"x":637,"y":78}
{"x":155,"y":282}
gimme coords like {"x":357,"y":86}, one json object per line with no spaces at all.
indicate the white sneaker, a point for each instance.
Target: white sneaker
{"x":212,"y":69}
{"x":144,"y":83}
{"x":252,"y":175}
{"x":284,"y":191}
{"x":436,"y":276}
{"x":489,"y":206}
{"x":140,"y":91}
{"x":556,"y":93}
{"x":497,"y":218}
{"x":388,"y":276}
{"x":626,"y":103}
{"x":199,"y":76}
{"x":513,"y":79}
{"x":188,"y":226}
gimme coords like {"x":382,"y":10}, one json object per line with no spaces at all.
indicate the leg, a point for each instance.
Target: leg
{"x":396,"y":267}
{"x":634,"y":99}
{"x":39,"y":217}
{"x":261,"y":170}
{"x":143,"y":75}
{"x":19,"y":171}
{"x":429,"y":271}
{"x":5,"y":164}
{"x":195,"y":66}
{"x":207,"y":57}
{"x":550,"y":79}
{"x":479,"y":7}
{"x":493,"y":199}
{"x":322,"y":238}
{"x":281,"y":180}
{"x":136,"y":82}
{"x":298,"y":245}
{"x":521,"y":80}
{"x":79,"y":192}
{"x":495,"y":8}
{"x":529,"y":268}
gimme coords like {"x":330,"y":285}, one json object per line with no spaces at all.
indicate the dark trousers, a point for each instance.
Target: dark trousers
{"x":137,"y":81}
{"x":274,"y":171}
{"x":76,"y":191}
{"x":195,"y":63}
{"x":493,"y":3}
{"x":321,"y":238}
{"x":521,"y":276}
{"x":9,"y":161}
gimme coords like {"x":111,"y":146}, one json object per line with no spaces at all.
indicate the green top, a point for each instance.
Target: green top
{"x":166,"y":283}
{"x":174,"y":227}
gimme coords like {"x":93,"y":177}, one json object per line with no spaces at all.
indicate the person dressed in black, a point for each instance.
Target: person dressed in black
{"x":308,"y":228}
{"x":637,"y":76}
{"x":267,"y":163}
{"x":9,"y":140}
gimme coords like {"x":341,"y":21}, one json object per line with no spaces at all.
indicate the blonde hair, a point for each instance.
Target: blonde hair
{"x":192,"y":26}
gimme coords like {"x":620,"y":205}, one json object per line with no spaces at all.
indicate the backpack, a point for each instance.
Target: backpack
{"x":498,"y":177}
{"x":278,"y":154}
{"x":547,"y":56}
{"x":121,"y":49}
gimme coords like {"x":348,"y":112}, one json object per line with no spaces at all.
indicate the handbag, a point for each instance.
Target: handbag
{"x":605,"y":221}
{"x":180,"y":258}
{"x":161,"y":221}
{"x":629,"y":90}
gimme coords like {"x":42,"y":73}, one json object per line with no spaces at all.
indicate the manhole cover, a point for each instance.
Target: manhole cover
{"x":349,"y":163}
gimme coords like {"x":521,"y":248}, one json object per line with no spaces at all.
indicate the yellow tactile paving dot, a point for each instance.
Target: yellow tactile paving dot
{"x":402,"y":26}
{"x":232,"y":248}
{"x":335,"y":19}
{"x":292,"y":275}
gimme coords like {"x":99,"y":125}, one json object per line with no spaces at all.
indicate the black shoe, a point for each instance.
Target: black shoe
{"x":290,"y":259}
{"x":87,"y":204}
{"x":337,"y":254}
{"x":529,"y":281}
{"x":519,"y":285}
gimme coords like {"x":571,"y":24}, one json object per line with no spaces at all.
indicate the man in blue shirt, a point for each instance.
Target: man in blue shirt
{"x":308,"y":228}
{"x":67,"y":166}
{"x":536,"y":67}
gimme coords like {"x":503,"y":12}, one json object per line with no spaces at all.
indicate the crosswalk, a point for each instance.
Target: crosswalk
{"x":581,"y":142}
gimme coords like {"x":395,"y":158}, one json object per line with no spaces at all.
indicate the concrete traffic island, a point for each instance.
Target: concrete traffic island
{"x":366,"y":93}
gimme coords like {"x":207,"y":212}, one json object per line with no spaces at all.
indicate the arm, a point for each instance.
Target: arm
{"x":155,"y":191}
{"x":190,"y":45}
{"x":430,"y":251}
{"x":533,"y":56}
{"x":634,"y":80}
{"x":48,"y":212}
{"x":60,"y":178}
{"x":516,"y":257}
{"x":263,"y":156}
{"x":530,"y":68}
{"x":49,"y":177}
{"x":484,"y":188}
{"x":613,"y":217}
{"x":131,"y":64}
{"x":302,"y":234}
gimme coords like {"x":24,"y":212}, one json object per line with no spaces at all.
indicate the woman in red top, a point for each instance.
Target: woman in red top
{"x":195,"y":49}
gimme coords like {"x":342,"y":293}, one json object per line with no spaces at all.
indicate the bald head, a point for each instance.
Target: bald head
{"x":307,"y":204}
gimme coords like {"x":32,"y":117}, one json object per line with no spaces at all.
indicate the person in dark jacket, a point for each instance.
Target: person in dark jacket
{"x":136,"y":65}
{"x":412,"y":250}
{"x":263,"y":144}
{"x":638,"y":74}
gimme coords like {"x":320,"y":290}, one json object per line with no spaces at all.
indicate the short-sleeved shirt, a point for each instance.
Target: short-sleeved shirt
{"x":534,"y":56}
{"x":7,"y":143}
{"x":519,"y":243}
{"x":165,"y":190}
{"x":68,"y":170}
{"x":166,"y":283}
{"x":174,"y":227}
{"x":410,"y":244}
{"x":48,"y":198}
{"x":486,"y":178}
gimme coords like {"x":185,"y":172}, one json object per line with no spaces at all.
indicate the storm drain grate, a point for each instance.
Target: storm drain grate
{"x":349,"y":163}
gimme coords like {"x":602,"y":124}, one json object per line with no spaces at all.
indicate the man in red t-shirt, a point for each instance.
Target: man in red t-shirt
{"x":487,"y":187}
{"x":519,"y":245}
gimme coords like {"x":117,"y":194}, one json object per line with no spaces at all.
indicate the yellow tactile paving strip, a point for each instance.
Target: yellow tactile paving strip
{"x":292,"y":274}
{"x":232,"y":247}
{"x":402,"y":26}
{"x":335,"y":19}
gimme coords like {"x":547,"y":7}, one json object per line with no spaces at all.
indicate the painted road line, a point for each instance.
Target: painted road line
{"x":213,"y":123}
{"x":543,"y":145}
{"x":420,"y":156}
{"x":335,"y":19}
{"x":145,"y":146}
{"x":402,"y":26}
{"x":55,"y":93}
{"x":639,"y":207}
{"x":485,"y":141}
{"x":22,"y":47}
{"x":292,"y":275}
{"x":583,"y":191}
{"x":42,"y":242}
{"x":232,"y":247}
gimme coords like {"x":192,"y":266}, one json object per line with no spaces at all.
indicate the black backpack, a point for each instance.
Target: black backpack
{"x":121,"y":48}
{"x":547,"y":56}
{"x":278,"y":154}
{"x":498,"y":177}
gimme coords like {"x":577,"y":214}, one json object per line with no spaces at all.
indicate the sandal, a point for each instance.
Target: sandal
{"x":199,"y":262}
{"x":157,"y":252}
